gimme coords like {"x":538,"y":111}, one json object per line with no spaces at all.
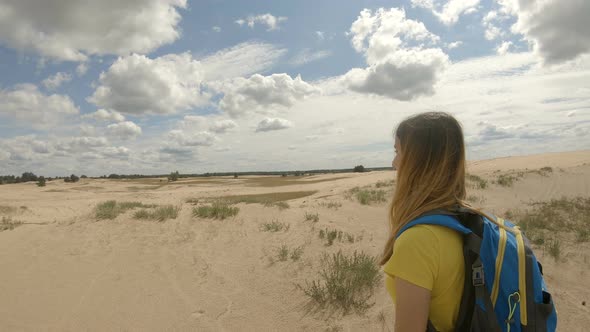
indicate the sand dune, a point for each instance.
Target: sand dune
{"x":63,"y":270}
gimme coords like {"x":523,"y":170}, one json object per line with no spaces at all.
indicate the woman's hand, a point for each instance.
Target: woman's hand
{"x":412,"y":305}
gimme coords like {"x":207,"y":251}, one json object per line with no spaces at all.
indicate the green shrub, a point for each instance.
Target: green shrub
{"x":345,"y":283}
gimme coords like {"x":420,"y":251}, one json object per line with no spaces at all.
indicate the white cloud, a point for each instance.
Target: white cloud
{"x":72,"y":30}
{"x":81,"y":69}
{"x":183,"y":139}
{"x":451,"y":10}
{"x":454,"y":45}
{"x":105,"y":115}
{"x":558,"y":29}
{"x":306,"y":56}
{"x":222,"y":126}
{"x":136,"y":84}
{"x":261,"y":93}
{"x":115,"y":152}
{"x":27,"y":104}
{"x":405,"y":75}
{"x":503,"y":48}
{"x":53,"y":82}
{"x":241,"y":60}
{"x":490,"y":23}
{"x":4,"y":155}
{"x":72,"y":145}
{"x":271,"y":22}
{"x":320,"y":35}
{"x":270,"y":124}
{"x":396,"y":68}
{"x":379,"y":34}
{"x":216,"y":29}
{"x":124,"y":130}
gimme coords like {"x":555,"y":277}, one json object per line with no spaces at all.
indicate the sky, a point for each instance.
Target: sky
{"x":154,"y":86}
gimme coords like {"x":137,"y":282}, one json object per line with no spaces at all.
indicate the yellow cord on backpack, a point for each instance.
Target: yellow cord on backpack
{"x":511,"y":308}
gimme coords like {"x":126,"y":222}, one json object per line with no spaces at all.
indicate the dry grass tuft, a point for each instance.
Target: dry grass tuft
{"x":7,"y":224}
{"x":367,"y":196}
{"x":111,"y":209}
{"x":217,"y":210}
{"x":161,"y":213}
{"x":346,"y":283}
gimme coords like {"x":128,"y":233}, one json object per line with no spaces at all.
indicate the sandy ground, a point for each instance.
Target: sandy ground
{"x":65,"y":271}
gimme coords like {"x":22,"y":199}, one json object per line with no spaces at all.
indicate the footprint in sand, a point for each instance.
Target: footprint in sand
{"x":198,"y":313}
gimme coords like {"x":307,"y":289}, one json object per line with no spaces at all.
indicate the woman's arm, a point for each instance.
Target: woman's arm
{"x":412,"y":306}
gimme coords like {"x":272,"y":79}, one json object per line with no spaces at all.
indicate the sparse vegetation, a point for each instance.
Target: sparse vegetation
{"x":546,"y":170}
{"x":276,"y":199}
{"x":274,"y":226}
{"x":386,"y":184}
{"x":283,"y":253}
{"x":173,"y":176}
{"x":345,"y":283}
{"x":217,"y":210}
{"x":312,"y":217}
{"x":549,"y":219}
{"x":331,"y":205}
{"x":111,"y":209}
{"x":331,"y":235}
{"x":72,"y":178}
{"x":7,"y":224}
{"x":359,"y":169}
{"x":475,"y":199}
{"x":506,"y":180}
{"x":161,"y":213}
{"x":582,"y":235}
{"x":367,"y":196}
{"x":5,"y":209}
{"x":477,"y":182}
{"x":554,"y":248}
{"x":41,"y":182}
{"x":296,"y":254}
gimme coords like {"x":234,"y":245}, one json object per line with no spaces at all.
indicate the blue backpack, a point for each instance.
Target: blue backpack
{"x":504,"y":288}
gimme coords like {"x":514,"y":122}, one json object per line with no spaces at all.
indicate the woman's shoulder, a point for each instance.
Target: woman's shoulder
{"x":431,"y":236}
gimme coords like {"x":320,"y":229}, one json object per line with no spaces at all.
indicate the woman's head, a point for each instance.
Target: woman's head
{"x":430,"y":164}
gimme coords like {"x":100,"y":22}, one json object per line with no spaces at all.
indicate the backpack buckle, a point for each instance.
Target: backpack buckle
{"x":477,"y":275}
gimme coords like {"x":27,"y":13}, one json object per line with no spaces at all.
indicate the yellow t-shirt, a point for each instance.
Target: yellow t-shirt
{"x":431,"y":257}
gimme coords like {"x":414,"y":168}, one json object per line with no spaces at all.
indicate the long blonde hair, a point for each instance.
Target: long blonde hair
{"x":431,"y":174}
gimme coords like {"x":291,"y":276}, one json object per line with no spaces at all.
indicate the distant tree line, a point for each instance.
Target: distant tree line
{"x":31,"y":177}
{"x":174,"y":176}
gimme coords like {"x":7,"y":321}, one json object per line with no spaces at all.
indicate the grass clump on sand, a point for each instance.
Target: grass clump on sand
{"x":111,"y":209}
{"x":312,"y":217}
{"x":161,"y":213}
{"x":274,"y":226}
{"x":506,"y":180}
{"x":331,"y":235}
{"x":477,"y":182}
{"x":346,"y":283}
{"x":5,"y":209}
{"x":386,"y":184}
{"x":331,"y":205}
{"x":283,"y":254}
{"x":217,"y":210}
{"x":475,"y":199}
{"x":367,"y":196}
{"x":7,"y":224}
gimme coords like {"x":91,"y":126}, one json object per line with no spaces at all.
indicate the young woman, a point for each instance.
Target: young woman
{"x":424,"y":267}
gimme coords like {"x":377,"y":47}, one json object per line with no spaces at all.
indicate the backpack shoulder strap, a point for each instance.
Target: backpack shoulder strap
{"x":448,"y":220}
